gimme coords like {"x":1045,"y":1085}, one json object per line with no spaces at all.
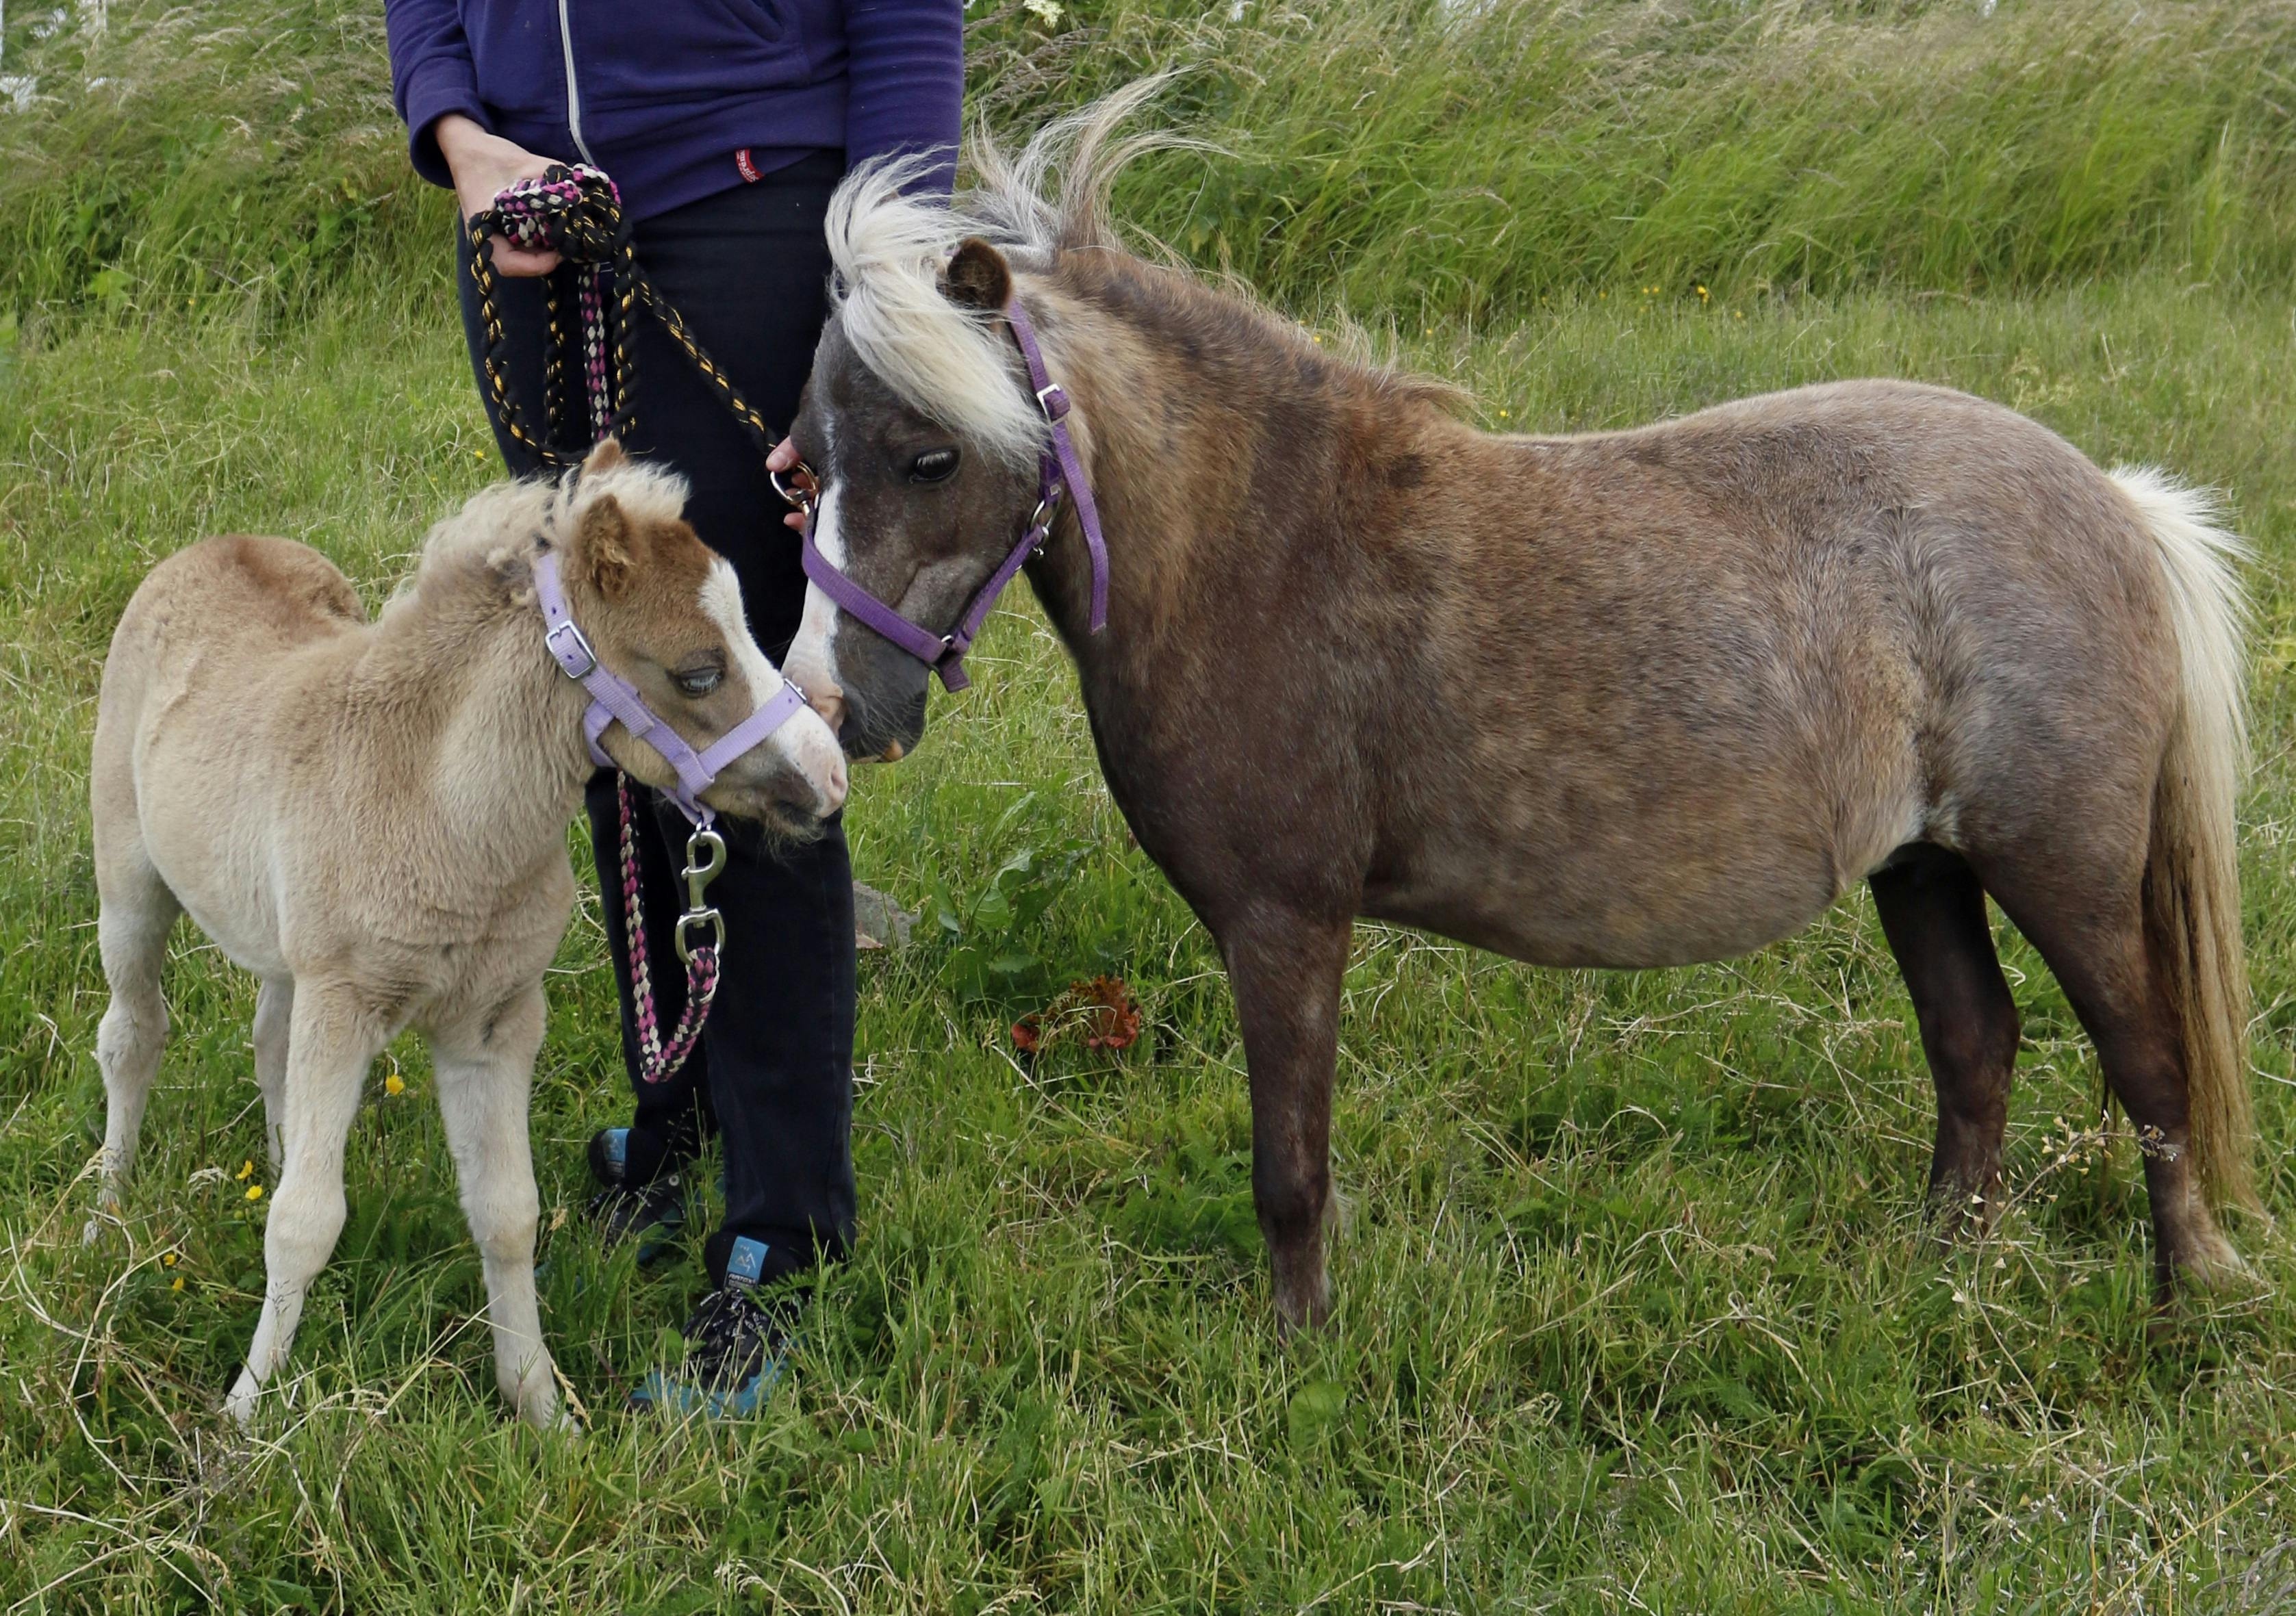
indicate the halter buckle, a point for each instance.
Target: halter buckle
{"x":581,"y":644}
{"x":1053,"y":400}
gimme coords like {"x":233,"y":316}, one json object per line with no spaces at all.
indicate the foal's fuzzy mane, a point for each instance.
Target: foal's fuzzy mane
{"x":890,"y":249}
{"x":496,"y":533}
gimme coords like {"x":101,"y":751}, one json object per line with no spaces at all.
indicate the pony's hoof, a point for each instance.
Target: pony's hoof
{"x":2210,"y":1267}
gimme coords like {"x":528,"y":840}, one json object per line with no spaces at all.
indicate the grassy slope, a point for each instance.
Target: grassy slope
{"x":1633,"y":1314}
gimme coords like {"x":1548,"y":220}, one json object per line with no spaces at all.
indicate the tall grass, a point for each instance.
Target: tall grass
{"x":1436,"y":158}
{"x":1635,"y":1313}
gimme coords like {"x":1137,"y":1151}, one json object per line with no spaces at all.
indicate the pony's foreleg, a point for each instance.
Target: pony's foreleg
{"x":1933,"y":911}
{"x":485,"y":1073}
{"x":330,"y":1041}
{"x":132,"y":934}
{"x":274,"y":1008}
{"x":1285,"y":971}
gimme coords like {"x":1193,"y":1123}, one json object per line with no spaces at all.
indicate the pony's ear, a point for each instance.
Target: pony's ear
{"x":605,"y":457}
{"x":603,"y":547}
{"x":977,"y":277}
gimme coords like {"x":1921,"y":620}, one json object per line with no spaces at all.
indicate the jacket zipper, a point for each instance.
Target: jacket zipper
{"x":573,"y":90}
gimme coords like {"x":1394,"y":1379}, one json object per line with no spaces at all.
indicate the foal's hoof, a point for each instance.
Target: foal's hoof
{"x":239,"y":1403}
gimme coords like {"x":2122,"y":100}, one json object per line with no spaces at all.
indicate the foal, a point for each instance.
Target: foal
{"x":371,"y":819}
{"x":1631,"y":699}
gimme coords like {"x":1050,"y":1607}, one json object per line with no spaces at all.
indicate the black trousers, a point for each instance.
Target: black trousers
{"x":773,"y":1076}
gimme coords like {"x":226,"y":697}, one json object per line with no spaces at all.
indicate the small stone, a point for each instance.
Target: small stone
{"x":878,"y":921}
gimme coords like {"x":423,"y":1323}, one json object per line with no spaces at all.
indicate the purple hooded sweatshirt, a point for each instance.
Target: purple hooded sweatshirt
{"x":679,"y":99}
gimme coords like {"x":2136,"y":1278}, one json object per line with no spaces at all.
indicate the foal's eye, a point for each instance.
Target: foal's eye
{"x":699,"y":681}
{"x":933,"y":466}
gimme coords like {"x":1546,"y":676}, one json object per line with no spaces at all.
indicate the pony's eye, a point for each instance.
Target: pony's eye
{"x":933,"y":466}
{"x":698,"y":681}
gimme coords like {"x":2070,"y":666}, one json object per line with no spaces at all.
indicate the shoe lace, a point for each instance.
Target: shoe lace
{"x":730,"y":1336}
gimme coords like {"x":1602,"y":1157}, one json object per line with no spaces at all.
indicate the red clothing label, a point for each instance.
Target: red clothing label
{"x":748,"y":169}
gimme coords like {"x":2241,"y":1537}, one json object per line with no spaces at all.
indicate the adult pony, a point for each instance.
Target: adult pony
{"x":372,"y":817}
{"x":1629,"y":699}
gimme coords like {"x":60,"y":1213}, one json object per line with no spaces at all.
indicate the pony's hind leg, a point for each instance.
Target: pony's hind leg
{"x":331,"y":1041}
{"x":137,"y":912}
{"x":485,"y":1073}
{"x":2095,"y":945}
{"x":1933,"y":912}
{"x":274,"y":1009}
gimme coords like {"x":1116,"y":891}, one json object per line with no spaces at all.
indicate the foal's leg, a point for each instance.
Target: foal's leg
{"x":274,"y":1007}
{"x":485,"y":1070}
{"x":2095,"y":943}
{"x":132,"y":928}
{"x":331,"y":1041}
{"x":1933,"y":911}
{"x":1286,"y":971}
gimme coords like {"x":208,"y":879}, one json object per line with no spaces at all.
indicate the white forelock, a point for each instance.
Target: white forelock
{"x":948,"y":360}
{"x":951,"y":362}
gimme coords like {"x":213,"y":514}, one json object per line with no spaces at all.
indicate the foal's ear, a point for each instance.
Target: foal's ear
{"x":605,"y":457}
{"x":602,"y":546}
{"x":977,"y":277}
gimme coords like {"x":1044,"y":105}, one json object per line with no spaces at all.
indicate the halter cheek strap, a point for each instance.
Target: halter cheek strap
{"x":1060,"y":475}
{"x":613,"y":697}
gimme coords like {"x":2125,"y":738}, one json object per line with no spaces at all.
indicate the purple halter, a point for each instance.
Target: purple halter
{"x":613,"y":697}
{"x":1059,"y":472}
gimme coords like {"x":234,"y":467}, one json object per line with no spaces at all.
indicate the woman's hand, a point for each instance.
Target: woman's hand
{"x":483,"y":164}
{"x":783,"y":459}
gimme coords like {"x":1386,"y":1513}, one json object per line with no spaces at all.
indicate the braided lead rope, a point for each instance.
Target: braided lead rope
{"x":657,"y":1059}
{"x":576,"y":213}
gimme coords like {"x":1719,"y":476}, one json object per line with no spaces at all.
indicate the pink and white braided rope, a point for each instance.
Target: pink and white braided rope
{"x":657,"y":1059}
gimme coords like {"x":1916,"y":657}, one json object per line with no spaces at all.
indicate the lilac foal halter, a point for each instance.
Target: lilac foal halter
{"x":613,"y":697}
{"x":1059,"y":472}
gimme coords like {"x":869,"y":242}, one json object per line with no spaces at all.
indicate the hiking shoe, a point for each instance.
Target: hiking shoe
{"x":652,"y":1213}
{"x":734,"y":1346}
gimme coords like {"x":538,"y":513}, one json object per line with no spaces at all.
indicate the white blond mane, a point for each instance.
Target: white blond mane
{"x":951,"y":362}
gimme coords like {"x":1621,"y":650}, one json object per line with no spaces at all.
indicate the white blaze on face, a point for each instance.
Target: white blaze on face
{"x":813,"y":655}
{"x":807,"y":743}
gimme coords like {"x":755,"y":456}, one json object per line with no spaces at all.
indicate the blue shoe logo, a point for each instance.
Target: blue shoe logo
{"x":745,"y":1264}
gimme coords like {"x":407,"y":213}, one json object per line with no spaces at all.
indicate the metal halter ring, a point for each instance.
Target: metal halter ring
{"x":699,"y":917}
{"x":799,"y":492}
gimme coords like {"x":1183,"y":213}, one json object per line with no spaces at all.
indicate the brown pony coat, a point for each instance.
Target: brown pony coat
{"x":1627,"y":698}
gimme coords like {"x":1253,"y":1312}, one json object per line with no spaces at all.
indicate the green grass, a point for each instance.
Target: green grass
{"x":1634,"y":1312}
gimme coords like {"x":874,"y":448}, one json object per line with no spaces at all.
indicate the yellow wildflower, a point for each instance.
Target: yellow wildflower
{"x":167,"y":1259}
{"x":245,"y":1167}
{"x":1702,"y":294}
{"x":178,"y":1284}
{"x":255,"y":1191}
{"x":394,"y":1083}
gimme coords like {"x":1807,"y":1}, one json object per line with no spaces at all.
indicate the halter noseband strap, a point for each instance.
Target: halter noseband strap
{"x":1060,"y":475}
{"x":613,"y":697}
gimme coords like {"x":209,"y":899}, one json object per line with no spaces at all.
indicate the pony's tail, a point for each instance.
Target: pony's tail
{"x":2192,"y":875}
